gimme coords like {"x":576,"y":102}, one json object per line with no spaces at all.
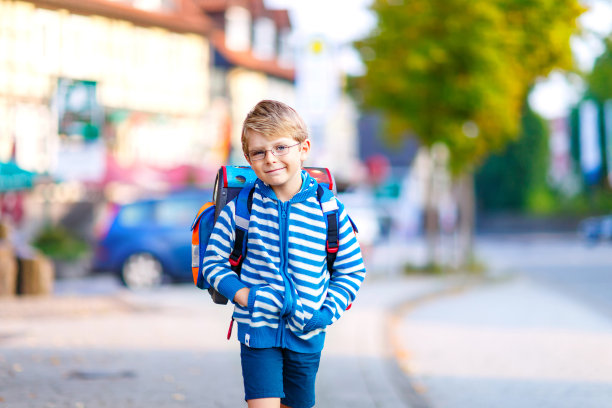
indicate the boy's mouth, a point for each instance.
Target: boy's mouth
{"x":274,"y":170}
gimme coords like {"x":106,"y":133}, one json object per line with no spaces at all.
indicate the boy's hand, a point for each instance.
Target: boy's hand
{"x":242,"y":297}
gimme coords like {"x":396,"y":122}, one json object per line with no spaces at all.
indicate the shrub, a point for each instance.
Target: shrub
{"x":58,"y":243}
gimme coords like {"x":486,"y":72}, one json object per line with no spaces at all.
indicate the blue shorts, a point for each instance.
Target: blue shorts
{"x":280,"y":373}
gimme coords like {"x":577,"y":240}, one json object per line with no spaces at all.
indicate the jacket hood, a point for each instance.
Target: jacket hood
{"x":308,"y":189}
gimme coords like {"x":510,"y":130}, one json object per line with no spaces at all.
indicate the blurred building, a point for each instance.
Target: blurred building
{"x":257,"y":55}
{"x":252,"y":60}
{"x":331,"y":115}
{"x":142,"y":92}
{"x":92,"y":90}
{"x":117,"y":98}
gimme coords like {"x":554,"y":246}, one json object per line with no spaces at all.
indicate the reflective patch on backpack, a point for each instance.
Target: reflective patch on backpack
{"x":195,"y":256}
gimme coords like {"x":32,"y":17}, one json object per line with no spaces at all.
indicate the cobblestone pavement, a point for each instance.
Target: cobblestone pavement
{"x":167,"y":348}
{"x":509,"y":343}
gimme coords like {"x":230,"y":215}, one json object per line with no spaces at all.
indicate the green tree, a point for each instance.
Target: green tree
{"x":457,"y":72}
{"x":510,"y":180}
{"x":600,"y":88}
{"x":599,"y":83}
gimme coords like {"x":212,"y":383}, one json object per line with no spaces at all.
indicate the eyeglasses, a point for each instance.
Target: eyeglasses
{"x":279,"y":150}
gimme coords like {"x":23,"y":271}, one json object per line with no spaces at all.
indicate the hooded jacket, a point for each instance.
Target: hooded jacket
{"x":292,"y":297}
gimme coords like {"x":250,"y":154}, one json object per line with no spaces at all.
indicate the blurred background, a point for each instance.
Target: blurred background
{"x":471,"y":141}
{"x":438,"y":121}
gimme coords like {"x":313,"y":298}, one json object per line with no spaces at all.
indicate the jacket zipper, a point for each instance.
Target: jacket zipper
{"x":284,"y":242}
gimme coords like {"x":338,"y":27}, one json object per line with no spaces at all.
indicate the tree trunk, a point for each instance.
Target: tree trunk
{"x":430,"y":211}
{"x":467,"y":208}
{"x":431,"y":234}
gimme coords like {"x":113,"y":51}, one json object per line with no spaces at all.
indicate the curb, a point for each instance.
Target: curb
{"x":411,"y":388}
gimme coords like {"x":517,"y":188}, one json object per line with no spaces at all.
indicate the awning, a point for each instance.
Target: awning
{"x":13,"y":177}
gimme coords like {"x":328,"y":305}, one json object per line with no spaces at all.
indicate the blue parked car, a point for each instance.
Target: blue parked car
{"x":596,"y":229}
{"x":149,"y":241}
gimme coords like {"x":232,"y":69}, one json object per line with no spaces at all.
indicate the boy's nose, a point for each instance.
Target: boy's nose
{"x":269,"y":156}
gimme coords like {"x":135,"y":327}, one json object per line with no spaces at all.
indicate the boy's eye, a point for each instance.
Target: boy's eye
{"x":280,"y":149}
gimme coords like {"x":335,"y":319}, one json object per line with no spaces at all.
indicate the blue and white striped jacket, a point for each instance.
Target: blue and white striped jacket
{"x":292,"y":299}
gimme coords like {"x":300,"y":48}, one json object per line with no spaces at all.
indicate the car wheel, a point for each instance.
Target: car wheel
{"x":142,"y":271}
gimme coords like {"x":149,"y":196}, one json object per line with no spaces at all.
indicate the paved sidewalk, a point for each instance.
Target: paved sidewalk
{"x":509,"y":343}
{"x":167,"y":348}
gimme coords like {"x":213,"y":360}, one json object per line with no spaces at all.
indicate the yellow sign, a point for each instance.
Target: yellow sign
{"x":317,"y":46}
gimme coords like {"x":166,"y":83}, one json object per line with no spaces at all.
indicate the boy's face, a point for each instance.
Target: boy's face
{"x":282,"y":172}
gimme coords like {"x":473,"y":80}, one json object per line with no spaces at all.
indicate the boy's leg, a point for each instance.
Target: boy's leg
{"x":299,"y":375}
{"x":264,"y":403}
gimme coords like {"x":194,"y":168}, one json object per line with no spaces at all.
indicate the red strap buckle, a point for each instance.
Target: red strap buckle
{"x":333,"y":249}
{"x":235,"y":262}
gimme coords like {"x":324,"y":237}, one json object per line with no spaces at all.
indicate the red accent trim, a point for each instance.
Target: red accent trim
{"x":236,"y":262}
{"x":224,"y":169}
{"x":229,"y":331}
{"x":349,"y":306}
{"x":331,"y":250}
{"x":331,"y":180}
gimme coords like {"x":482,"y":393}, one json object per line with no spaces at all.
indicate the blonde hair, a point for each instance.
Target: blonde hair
{"x":273,"y":119}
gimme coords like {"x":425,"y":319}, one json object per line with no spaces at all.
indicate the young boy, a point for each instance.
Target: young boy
{"x":285,"y":297}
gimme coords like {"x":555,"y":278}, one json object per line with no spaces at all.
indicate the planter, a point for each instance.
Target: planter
{"x":36,"y":275}
{"x":8,"y":270}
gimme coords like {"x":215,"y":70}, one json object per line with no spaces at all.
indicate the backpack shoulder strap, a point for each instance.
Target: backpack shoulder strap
{"x":329,"y":206}
{"x":244,"y":203}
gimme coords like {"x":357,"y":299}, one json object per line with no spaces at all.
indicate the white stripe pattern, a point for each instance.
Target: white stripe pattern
{"x":287,"y":270}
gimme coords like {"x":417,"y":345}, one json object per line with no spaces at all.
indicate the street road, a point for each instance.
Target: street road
{"x":564,"y":263}
{"x":537,"y":334}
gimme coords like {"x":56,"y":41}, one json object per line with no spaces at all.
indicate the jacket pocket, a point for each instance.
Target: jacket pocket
{"x":265,"y":305}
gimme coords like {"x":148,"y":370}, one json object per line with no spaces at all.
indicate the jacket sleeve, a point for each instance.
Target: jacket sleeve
{"x":346,"y":278}
{"x":216,"y":267}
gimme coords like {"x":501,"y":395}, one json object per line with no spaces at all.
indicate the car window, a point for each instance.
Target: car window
{"x":133,"y":215}
{"x":176,"y":212}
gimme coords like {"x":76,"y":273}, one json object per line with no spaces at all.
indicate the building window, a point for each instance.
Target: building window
{"x":237,"y":29}
{"x":264,"y":35}
{"x":285,"y":49}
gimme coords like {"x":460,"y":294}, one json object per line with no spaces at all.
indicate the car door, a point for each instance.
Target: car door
{"x":173,"y":217}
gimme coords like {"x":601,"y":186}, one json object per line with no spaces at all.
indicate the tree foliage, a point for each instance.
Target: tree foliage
{"x":509,"y":180}
{"x":599,"y":82}
{"x":458,"y":71}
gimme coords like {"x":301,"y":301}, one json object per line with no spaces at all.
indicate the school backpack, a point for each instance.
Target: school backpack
{"x":238,"y":183}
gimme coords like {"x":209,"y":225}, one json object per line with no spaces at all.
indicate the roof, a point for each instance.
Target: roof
{"x":188,"y":19}
{"x":247,"y":60}
{"x":216,"y":9}
{"x":281,"y":18}
{"x":256,"y":7}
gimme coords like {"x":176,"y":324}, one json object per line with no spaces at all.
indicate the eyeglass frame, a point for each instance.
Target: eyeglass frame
{"x":272,"y":151}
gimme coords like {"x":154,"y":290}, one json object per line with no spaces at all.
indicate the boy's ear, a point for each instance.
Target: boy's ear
{"x":305,"y":149}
